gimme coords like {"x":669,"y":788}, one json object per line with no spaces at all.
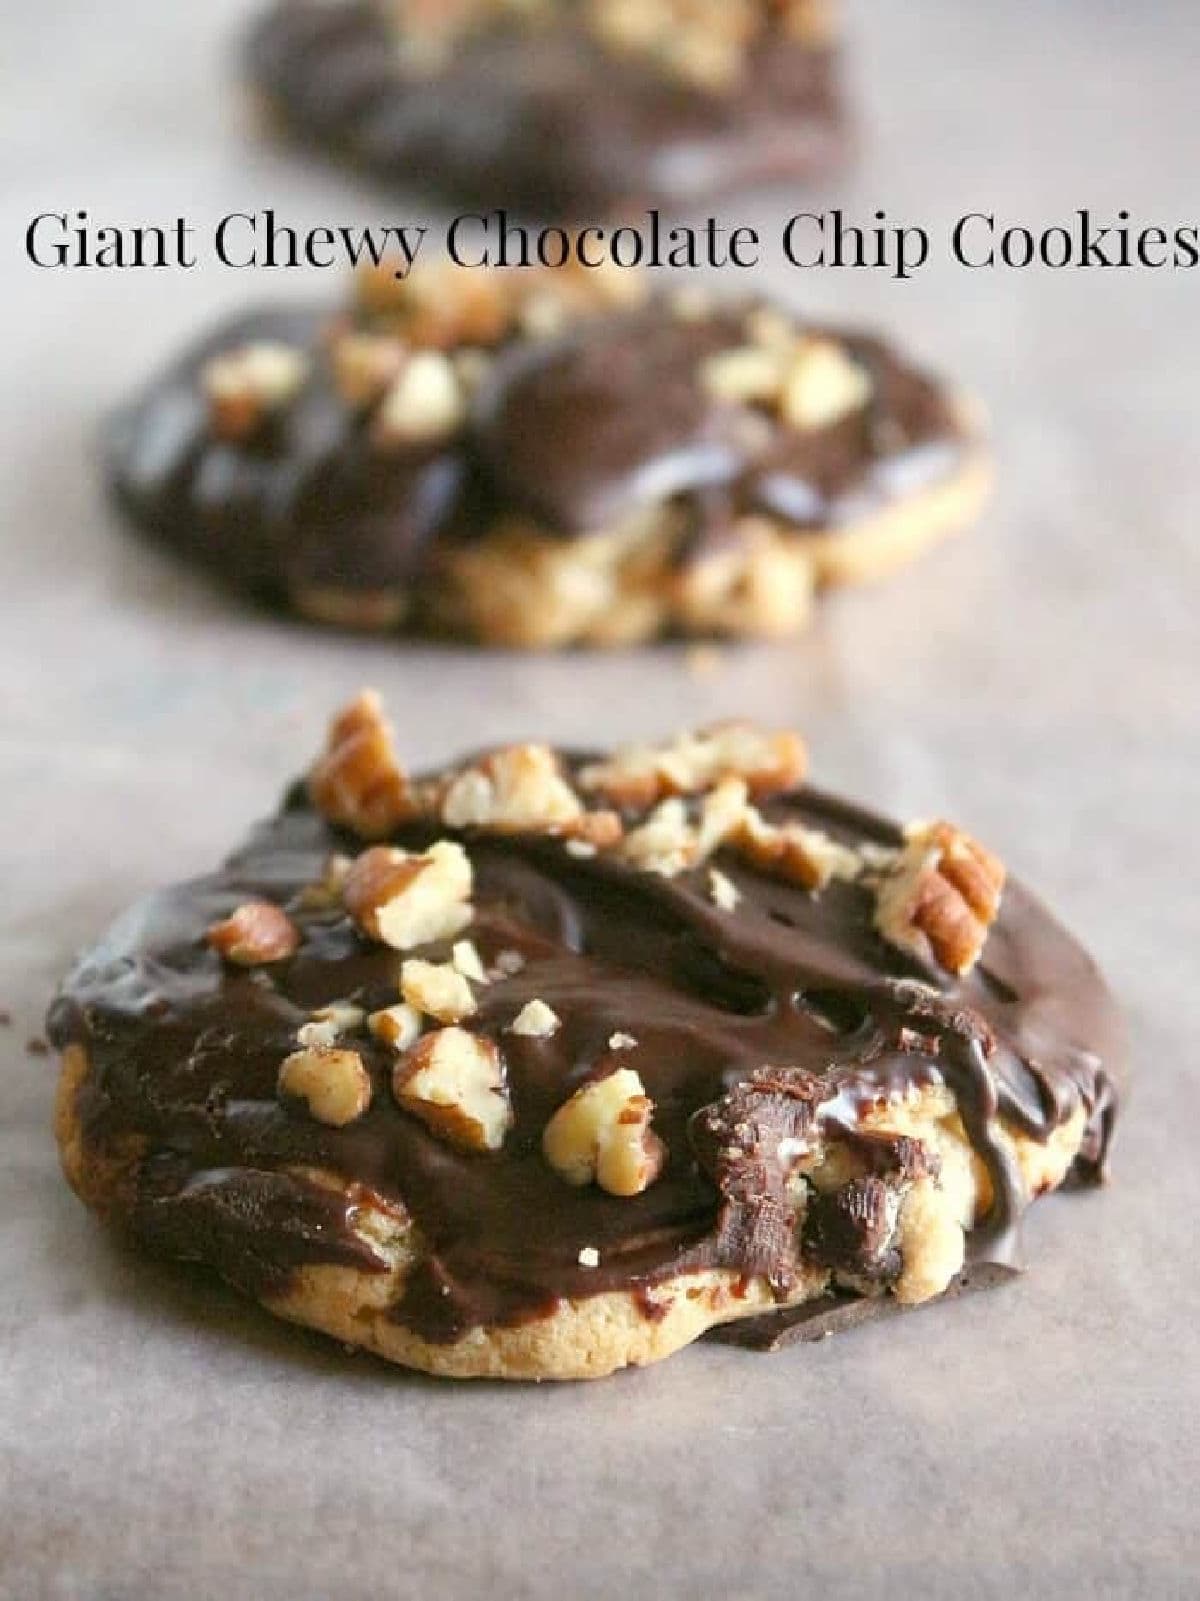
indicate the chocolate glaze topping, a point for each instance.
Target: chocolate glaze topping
{"x":580,"y":433}
{"x":787,"y":1016}
{"x":584,"y":432}
{"x":545,"y":121}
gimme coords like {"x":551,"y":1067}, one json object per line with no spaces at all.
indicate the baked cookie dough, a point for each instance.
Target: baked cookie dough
{"x":545,"y":1064}
{"x":559,"y":108}
{"x":541,"y":459}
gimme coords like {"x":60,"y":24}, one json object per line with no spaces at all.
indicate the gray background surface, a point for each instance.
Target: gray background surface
{"x":1037,"y":681}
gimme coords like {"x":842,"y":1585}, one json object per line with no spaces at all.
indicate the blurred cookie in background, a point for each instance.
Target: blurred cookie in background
{"x":546,"y":458}
{"x":561,"y":108}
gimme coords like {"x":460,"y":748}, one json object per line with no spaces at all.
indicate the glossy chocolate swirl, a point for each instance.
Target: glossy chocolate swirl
{"x":788,"y":1012}
{"x":544,"y":120}
{"x":304,"y":501}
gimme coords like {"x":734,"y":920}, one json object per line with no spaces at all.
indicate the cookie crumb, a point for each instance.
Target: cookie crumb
{"x":37,"y":1046}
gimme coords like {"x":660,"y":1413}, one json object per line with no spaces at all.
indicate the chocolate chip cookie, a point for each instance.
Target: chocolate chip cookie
{"x":546,"y":1063}
{"x":558,"y":108}
{"x":546,"y":458}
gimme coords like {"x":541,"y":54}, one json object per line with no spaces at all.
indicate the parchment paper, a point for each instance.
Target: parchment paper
{"x":1038,"y":681}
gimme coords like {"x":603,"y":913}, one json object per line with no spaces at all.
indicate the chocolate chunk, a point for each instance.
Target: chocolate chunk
{"x":851,"y":1230}
{"x":740,"y":1143}
{"x":838,"y":1311}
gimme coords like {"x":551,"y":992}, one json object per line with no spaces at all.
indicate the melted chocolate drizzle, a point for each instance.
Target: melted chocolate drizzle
{"x":785,"y":1016}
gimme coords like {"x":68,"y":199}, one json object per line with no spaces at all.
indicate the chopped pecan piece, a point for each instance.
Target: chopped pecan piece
{"x":248,"y":385}
{"x":333,"y":1084}
{"x":358,"y":782}
{"x":253,"y":934}
{"x":466,"y":958}
{"x":790,"y":851}
{"x":329,"y":1023}
{"x":405,"y":900}
{"x":723,"y":892}
{"x":668,"y":843}
{"x":437,"y":989}
{"x":454,"y":1082}
{"x":398,"y":1026}
{"x":665,"y":843}
{"x":941,"y":896}
{"x":641,"y":775}
{"x":425,"y":403}
{"x":602,"y":1135}
{"x":515,"y":790}
{"x":536,"y":1020}
{"x":823,"y":385}
{"x":365,"y":365}
{"x":745,"y":374}
{"x":440,"y":307}
{"x":701,"y":42}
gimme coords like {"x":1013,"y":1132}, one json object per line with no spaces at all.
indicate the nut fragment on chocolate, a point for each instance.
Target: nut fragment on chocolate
{"x":768,"y":763}
{"x":941,"y":897}
{"x":245,"y":386}
{"x":467,"y":960}
{"x":334,"y":1084}
{"x":454,"y":1082}
{"x":398,"y":1026}
{"x":744,"y":375}
{"x":436,"y":989}
{"x":405,"y":900}
{"x":802,"y":855}
{"x":328,"y":1023}
{"x":254,"y":933}
{"x":365,"y":365}
{"x":517,"y":789}
{"x":631,"y":1105}
{"x":602,"y":1135}
{"x":822,"y":385}
{"x":536,"y":1020}
{"x":723,"y":890}
{"x":357,"y":780}
{"x":672,"y":839}
{"x":703,"y":42}
{"x":425,"y":403}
